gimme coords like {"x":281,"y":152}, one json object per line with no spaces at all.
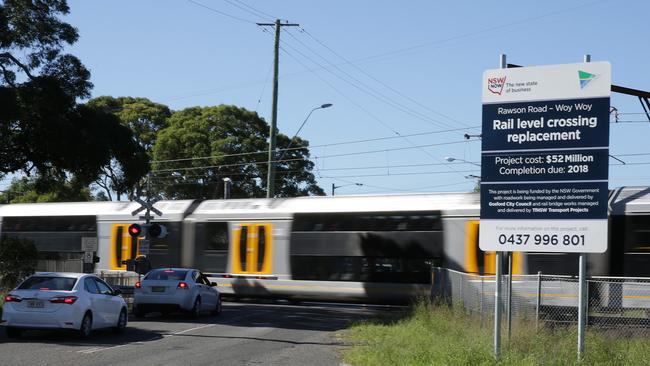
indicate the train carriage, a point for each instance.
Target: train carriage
{"x":352,"y":248}
{"x":58,"y":231}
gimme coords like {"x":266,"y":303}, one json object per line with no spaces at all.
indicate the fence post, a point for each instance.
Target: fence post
{"x":538,"y":299}
{"x":509,"y":296}
{"x":460,"y":289}
{"x":480,"y":310}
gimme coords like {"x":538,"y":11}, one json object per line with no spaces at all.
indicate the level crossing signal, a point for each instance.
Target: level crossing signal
{"x":154,"y":230}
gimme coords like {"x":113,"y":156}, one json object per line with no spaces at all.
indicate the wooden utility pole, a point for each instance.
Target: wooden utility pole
{"x":270,"y":184}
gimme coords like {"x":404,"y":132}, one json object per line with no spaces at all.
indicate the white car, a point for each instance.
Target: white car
{"x":171,"y":289}
{"x":77,"y":301}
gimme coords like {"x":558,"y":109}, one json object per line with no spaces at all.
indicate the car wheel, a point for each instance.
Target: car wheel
{"x":86,"y":326}
{"x":217,"y":308}
{"x":121,"y":322}
{"x":13,"y":332}
{"x":196,"y":309}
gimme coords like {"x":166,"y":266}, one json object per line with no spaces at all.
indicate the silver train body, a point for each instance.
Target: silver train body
{"x":344,"y":248}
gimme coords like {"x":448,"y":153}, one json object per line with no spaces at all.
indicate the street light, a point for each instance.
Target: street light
{"x":270,"y":184}
{"x":450,"y":159}
{"x":334,"y":187}
{"x":227,"y":184}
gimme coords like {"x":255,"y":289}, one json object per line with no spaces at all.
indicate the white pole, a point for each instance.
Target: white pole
{"x":509,"y":295}
{"x":497,"y":279}
{"x":582,"y":292}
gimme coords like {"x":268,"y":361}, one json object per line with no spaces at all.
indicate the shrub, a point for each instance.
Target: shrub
{"x":17,"y":261}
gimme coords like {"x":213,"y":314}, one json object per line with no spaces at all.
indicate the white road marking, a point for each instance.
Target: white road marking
{"x":163,"y":336}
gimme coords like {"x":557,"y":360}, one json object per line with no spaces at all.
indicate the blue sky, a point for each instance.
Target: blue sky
{"x":400,"y":68}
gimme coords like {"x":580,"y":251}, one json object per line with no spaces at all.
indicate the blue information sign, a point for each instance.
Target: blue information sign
{"x":544,"y":163}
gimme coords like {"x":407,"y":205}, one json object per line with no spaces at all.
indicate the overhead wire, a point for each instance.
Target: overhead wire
{"x":221,"y":12}
{"x":262,"y":162}
{"x":249,"y":9}
{"x":362,"y":86}
{"x":526,"y":21}
{"x":387,"y":86}
{"x":317,"y":157}
{"x":309,"y":146}
{"x":353,"y":102}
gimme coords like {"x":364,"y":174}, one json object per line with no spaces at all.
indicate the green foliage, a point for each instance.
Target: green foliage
{"x":42,"y":127}
{"x":27,"y":190}
{"x":439,"y":335}
{"x":17,"y":261}
{"x":144,"y":118}
{"x":225,"y":135}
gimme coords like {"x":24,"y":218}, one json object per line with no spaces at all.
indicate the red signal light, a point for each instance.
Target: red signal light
{"x":138,"y":285}
{"x":135,"y":230}
{"x":182,"y":285}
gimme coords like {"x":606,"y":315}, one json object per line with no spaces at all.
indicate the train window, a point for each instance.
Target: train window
{"x":365,"y":221}
{"x":261,"y":247}
{"x":216,"y":236}
{"x":212,"y":240}
{"x":361,"y":269}
{"x":51,"y":223}
{"x":119,"y":245}
{"x":637,"y":234}
{"x":243,"y":238}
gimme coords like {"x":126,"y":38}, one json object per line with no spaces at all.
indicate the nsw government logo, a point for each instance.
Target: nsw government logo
{"x":495,"y":85}
{"x":585,"y":78}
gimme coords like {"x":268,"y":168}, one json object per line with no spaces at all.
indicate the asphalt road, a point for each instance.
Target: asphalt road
{"x":244,"y":334}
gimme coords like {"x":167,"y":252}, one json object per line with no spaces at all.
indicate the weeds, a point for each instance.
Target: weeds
{"x":442,"y":335}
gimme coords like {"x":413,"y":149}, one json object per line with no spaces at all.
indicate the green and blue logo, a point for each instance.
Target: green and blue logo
{"x":585,"y":78}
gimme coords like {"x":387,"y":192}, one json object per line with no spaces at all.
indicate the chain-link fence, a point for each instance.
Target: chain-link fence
{"x":617,"y":305}
{"x":123,"y":281}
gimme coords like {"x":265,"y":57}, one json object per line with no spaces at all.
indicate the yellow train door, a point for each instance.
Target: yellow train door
{"x":252,"y":249}
{"x":480,"y":262}
{"x":123,"y":246}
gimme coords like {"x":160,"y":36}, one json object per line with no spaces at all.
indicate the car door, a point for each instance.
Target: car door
{"x":109,"y":308}
{"x":206,"y":300}
{"x":90,"y":286}
{"x":209,"y":290}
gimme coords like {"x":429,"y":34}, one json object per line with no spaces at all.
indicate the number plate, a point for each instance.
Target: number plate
{"x":36,"y":304}
{"x":158,"y":289}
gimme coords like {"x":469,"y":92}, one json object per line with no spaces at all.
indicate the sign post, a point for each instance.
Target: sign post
{"x":544,"y":161}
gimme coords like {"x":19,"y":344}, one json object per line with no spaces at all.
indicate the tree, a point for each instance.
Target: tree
{"x":145,"y":118}
{"x":43,"y":129}
{"x":202,"y":146}
{"x":17,"y":261}
{"x":35,"y":189}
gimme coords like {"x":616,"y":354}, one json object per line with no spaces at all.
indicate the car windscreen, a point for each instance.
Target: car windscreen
{"x":166,"y":275}
{"x":46,"y":283}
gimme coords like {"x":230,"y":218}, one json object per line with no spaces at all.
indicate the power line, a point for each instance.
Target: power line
{"x":221,"y":12}
{"x":255,"y":10}
{"x":315,"y":157}
{"x":309,"y":146}
{"x":365,"y":88}
{"x":348,"y":62}
{"x":241,"y":7}
{"x":262,"y":162}
{"x":357,"y":104}
{"x":469,"y":34}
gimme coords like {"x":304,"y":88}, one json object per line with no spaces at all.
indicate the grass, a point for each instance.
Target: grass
{"x":440,"y":335}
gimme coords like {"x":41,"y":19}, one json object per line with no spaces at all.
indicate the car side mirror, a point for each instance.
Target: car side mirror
{"x":213,"y":284}
{"x":117,"y":292}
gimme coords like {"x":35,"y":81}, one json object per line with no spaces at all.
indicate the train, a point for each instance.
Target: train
{"x":366,"y":248}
